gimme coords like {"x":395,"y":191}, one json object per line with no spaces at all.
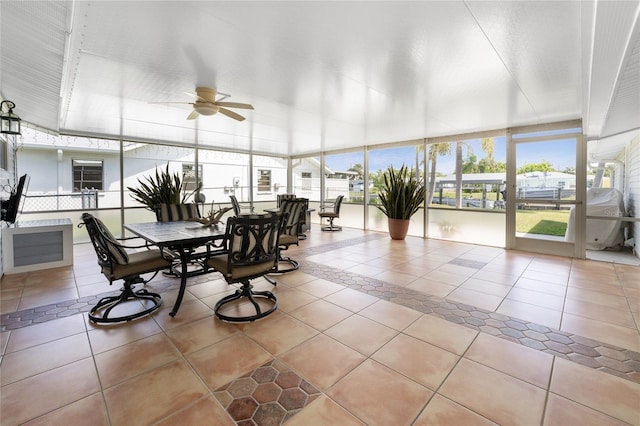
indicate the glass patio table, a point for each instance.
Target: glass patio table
{"x":180,"y":237}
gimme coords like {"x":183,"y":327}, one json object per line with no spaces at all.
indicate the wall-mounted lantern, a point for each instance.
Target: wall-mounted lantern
{"x":9,"y":122}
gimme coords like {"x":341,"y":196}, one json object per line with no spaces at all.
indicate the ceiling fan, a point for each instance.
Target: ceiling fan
{"x":206,"y":104}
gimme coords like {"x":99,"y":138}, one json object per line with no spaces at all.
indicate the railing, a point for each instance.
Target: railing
{"x":89,"y":199}
{"x":51,"y":202}
{"x":549,"y":193}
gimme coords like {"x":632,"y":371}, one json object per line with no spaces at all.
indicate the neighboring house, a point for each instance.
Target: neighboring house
{"x":528,"y":183}
{"x":306,"y":180}
{"x":482,"y":182}
{"x":64,"y":169}
{"x":538,"y":179}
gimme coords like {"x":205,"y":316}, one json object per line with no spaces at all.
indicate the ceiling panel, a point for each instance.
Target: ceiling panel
{"x":613,"y":25}
{"x":526,"y":38}
{"x":321,"y":75}
{"x":32,"y":41}
{"x":624,"y":109}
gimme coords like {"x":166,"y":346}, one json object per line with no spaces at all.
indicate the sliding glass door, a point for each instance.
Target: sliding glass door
{"x":545,"y":191}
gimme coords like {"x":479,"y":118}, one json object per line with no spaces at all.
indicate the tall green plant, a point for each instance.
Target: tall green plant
{"x":402,"y":193}
{"x":163,"y":188}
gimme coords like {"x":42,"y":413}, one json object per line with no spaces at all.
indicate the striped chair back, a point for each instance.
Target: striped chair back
{"x":175,"y":212}
{"x":282,"y":197}
{"x":294,"y":210}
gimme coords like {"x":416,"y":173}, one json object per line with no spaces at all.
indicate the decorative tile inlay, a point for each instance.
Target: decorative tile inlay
{"x":618,"y":361}
{"x":270,"y":394}
{"x":40,"y":314}
{"x":468,"y":263}
{"x":609,"y":358}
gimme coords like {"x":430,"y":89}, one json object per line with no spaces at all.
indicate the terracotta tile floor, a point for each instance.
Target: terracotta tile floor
{"x":368,"y":331}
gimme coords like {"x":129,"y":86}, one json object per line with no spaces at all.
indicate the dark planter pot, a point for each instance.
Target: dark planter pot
{"x":398,"y":228}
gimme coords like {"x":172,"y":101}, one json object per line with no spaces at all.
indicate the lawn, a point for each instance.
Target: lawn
{"x":545,"y":222}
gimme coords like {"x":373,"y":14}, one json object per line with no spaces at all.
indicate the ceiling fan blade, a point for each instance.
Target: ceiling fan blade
{"x":234,"y":105}
{"x":194,"y":114}
{"x":169,"y":103}
{"x":196,"y":97}
{"x":231,"y":114}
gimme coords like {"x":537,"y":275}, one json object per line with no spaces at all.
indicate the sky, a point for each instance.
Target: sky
{"x":560,"y":153}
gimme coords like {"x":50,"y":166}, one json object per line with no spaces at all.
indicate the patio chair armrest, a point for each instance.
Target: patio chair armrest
{"x":146,"y":244}
{"x":168,"y":255}
{"x":325,"y":206}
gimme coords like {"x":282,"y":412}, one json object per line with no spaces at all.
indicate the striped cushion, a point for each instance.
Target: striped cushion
{"x":295,"y":210}
{"x":282,"y":197}
{"x":252,"y":243}
{"x":117,"y":253}
{"x":174,"y":212}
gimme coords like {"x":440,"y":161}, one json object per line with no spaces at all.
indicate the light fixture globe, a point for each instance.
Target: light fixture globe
{"x":203,"y":108}
{"x":9,"y":122}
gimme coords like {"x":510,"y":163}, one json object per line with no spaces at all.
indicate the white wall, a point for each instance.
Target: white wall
{"x":7,"y":181}
{"x":632,"y":187}
{"x":42,"y":168}
{"x":50,"y":174}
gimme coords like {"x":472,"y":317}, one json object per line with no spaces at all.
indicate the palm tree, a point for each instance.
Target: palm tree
{"x":459,"y":174}
{"x":489,"y":147}
{"x":358,"y":168}
{"x":435,"y":150}
{"x":459,"y":146}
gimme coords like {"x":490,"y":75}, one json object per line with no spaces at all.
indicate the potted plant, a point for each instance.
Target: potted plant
{"x":401,"y":195}
{"x":164,"y":188}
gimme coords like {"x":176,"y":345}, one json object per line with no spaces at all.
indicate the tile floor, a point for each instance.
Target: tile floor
{"x":368,"y":331}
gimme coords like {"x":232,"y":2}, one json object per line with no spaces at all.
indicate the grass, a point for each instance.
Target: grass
{"x":545,"y":222}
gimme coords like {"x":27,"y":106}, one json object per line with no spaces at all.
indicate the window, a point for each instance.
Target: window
{"x":306,"y":181}
{"x":189,"y":176}
{"x":264,"y":180}
{"x":87,"y":174}
{"x":3,"y":154}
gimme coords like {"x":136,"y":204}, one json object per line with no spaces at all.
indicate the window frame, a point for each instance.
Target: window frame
{"x":306,"y":182}
{"x":260,"y":185}
{"x":4,"y":153}
{"x":88,"y":163}
{"x":192,"y":184}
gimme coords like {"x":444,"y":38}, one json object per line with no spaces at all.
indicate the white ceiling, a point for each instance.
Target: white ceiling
{"x":321,"y":75}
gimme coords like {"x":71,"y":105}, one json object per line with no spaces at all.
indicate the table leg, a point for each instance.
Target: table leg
{"x":183,"y":282}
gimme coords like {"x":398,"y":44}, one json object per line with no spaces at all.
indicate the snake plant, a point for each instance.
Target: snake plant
{"x":163,"y":188}
{"x":402,"y":193}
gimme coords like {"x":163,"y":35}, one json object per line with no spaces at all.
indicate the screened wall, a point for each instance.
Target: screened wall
{"x":465,"y":177}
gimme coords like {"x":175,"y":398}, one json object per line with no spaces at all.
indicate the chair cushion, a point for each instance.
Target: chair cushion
{"x":287,"y":240}
{"x":117,"y":253}
{"x":294,"y":210}
{"x":139,"y":263}
{"x":330,"y":214}
{"x":174,"y":212}
{"x":282,"y":197}
{"x":220,"y":264}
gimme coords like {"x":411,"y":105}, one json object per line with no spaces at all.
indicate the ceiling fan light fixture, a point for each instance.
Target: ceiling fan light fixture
{"x":205,"y":103}
{"x":206,"y":93}
{"x":206,"y":109}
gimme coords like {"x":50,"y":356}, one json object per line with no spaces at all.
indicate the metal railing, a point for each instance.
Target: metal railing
{"x":53,"y":202}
